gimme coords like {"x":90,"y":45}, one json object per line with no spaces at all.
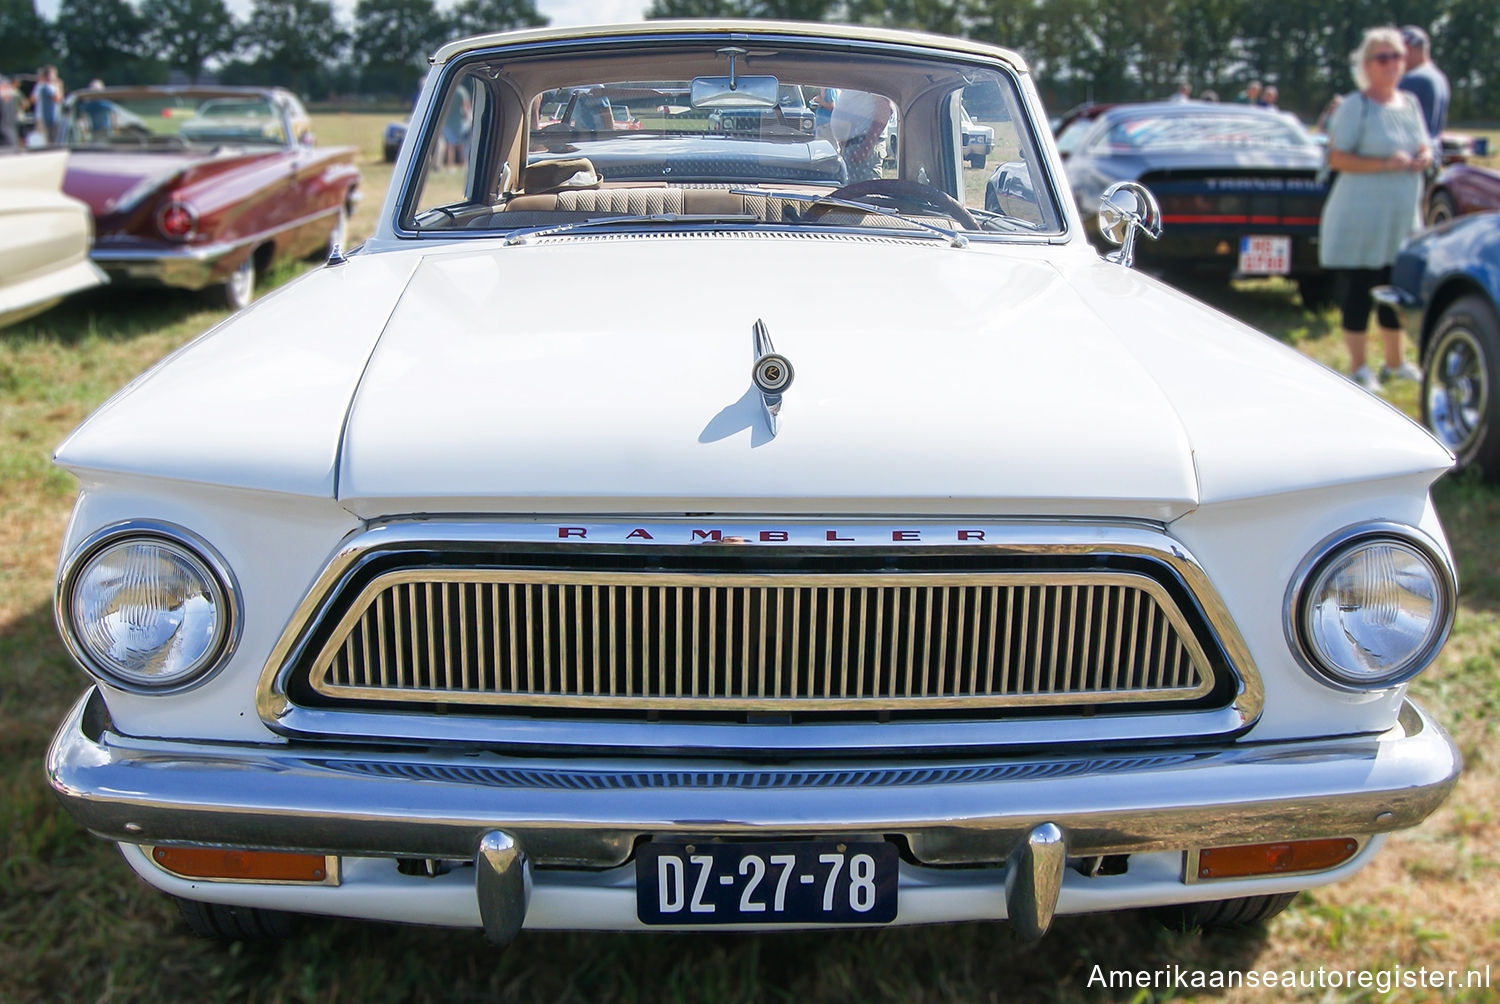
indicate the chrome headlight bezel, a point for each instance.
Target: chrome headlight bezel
{"x":186,"y":543}
{"x":1335,"y":547}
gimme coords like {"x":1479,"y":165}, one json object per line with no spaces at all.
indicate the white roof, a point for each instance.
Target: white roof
{"x":734,"y":29}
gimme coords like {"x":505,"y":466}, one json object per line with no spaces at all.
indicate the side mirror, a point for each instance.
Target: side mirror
{"x":1125,"y":208}
{"x":307,"y":138}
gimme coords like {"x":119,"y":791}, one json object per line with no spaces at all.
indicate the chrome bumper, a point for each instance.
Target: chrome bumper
{"x":589,"y":813}
{"x":190,"y":268}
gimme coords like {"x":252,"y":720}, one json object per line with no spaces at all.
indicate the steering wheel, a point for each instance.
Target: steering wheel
{"x":902,"y":194}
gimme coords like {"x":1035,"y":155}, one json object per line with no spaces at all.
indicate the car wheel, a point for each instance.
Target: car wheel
{"x":218,"y":922}
{"x":238,"y":290}
{"x":1440,"y":208}
{"x":977,"y":160}
{"x":389,"y":154}
{"x":1316,"y":291}
{"x":1459,"y":374}
{"x":1223,"y":913}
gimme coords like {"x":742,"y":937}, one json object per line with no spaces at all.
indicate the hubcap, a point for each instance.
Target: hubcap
{"x":1457,"y":389}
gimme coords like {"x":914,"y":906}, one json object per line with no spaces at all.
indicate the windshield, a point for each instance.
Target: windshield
{"x":538,"y":141}
{"x":172,"y":120}
{"x":1183,"y":131}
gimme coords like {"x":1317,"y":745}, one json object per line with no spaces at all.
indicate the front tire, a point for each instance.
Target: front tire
{"x":236,"y":292}
{"x":1460,"y":374}
{"x":1223,"y":914}
{"x":1440,"y":208}
{"x":217,"y":922}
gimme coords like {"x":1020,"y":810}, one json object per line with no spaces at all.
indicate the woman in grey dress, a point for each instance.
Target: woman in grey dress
{"x":1378,"y":144}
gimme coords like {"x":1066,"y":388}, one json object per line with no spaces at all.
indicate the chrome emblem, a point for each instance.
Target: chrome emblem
{"x":772,"y":375}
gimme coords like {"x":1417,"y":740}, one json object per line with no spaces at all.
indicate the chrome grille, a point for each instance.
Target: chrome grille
{"x":761,"y":642}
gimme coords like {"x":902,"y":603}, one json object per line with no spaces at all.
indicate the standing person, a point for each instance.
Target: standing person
{"x":47,"y":96}
{"x":1424,"y":81}
{"x":1269,"y":97}
{"x":1250,"y":95}
{"x":1378,"y":143}
{"x":98,"y":112}
{"x":858,"y":125}
{"x":10,"y":114}
{"x":823,"y":103}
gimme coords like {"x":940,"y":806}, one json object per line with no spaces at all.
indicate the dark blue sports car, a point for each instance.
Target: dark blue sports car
{"x":1446,"y":283}
{"x":1238,"y":187}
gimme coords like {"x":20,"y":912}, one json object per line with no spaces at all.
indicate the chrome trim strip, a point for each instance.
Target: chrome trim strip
{"x":1349,"y":536}
{"x":289,"y":798}
{"x":213,"y":562}
{"x":999,"y":538}
{"x":181,"y":267}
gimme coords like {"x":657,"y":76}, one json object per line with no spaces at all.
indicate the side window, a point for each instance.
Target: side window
{"x":997,"y":173}
{"x":450,"y":177}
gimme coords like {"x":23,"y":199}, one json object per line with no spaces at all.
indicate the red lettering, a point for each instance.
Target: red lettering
{"x":774,"y":536}
{"x":834,"y":535}
{"x":638,"y":534}
{"x":971,"y":535}
{"x":564,"y":532}
{"x":714,"y":535}
{"x":906,"y":534}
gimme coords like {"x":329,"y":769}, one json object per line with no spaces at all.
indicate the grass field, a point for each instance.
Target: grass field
{"x":76,"y":925}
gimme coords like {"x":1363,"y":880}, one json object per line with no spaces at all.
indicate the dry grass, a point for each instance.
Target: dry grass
{"x":76,"y":925}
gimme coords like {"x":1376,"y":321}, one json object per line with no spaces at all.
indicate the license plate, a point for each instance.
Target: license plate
{"x":803,"y":881}
{"x":1264,"y":255}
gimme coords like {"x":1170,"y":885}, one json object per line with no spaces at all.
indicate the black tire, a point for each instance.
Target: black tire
{"x":977,"y":159}
{"x":1440,"y":207}
{"x":217,"y":922}
{"x":1316,"y":291}
{"x":1223,"y":913}
{"x":1460,"y":379}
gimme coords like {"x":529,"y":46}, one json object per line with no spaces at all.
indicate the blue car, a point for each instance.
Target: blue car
{"x":1446,"y":284}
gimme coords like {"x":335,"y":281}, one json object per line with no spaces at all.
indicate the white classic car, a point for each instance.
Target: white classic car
{"x":44,"y":236}
{"x":440,"y":587}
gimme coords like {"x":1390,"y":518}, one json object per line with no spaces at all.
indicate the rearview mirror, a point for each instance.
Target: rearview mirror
{"x":735,"y":92}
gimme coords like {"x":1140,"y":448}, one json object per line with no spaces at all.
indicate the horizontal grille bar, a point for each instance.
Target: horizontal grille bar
{"x":770,"y":642}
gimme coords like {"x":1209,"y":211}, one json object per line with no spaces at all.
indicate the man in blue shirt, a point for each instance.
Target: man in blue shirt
{"x":1424,"y":80}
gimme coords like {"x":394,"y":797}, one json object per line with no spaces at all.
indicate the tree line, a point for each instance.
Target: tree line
{"x":1079,"y":49}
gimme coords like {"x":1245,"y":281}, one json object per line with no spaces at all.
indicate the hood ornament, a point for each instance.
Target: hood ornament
{"x":772,"y":375}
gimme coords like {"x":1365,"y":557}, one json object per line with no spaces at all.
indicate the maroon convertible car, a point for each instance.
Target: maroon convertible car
{"x":204,"y":188}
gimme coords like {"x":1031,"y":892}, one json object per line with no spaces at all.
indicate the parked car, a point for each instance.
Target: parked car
{"x":1460,"y":189}
{"x":1446,"y":283}
{"x":1238,"y":187}
{"x":1460,"y":147}
{"x":391,"y":140}
{"x":431,"y":590}
{"x":204,"y":188}
{"x":44,"y":236}
{"x":790,"y":114}
{"x":978,"y":140}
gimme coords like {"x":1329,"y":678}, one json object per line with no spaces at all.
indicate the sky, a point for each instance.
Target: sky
{"x":562,"y":12}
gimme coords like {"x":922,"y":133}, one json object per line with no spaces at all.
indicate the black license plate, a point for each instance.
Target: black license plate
{"x":795,"y":881}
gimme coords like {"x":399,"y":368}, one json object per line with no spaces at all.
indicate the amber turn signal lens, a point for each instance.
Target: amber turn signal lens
{"x":1272,"y":859}
{"x":245,"y":866}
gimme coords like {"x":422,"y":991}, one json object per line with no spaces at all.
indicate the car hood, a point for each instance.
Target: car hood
{"x":613,"y":374}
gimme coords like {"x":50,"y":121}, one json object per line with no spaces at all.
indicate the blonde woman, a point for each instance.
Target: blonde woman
{"x":1378,"y":144}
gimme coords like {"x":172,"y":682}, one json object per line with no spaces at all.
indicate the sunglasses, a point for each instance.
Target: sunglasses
{"x":1387,"y":57}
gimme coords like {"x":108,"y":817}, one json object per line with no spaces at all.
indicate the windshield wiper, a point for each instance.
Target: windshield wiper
{"x":990,"y":214}
{"x":955,"y":238}
{"x":522,"y":236}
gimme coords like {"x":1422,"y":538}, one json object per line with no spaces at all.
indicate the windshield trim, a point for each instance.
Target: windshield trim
{"x":906,"y":45}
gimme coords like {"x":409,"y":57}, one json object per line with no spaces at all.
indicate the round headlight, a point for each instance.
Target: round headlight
{"x":1373,"y":611}
{"x":146,"y":612}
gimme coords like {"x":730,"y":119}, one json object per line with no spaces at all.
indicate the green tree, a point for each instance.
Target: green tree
{"x":942,"y":16}
{"x":296,"y":43}
{"x":476,"y":17}
{"x":101,"y":38}
{"x":695,"y":8}
{"x":25,"y":39}
{"x":392,"y":40}
{"x":186,"y":34}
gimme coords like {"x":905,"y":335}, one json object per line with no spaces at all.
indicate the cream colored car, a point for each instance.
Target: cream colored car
{"x":44,"y":236}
